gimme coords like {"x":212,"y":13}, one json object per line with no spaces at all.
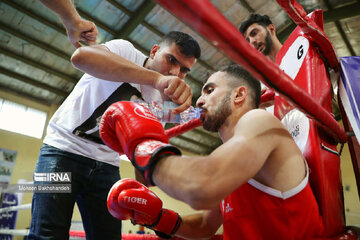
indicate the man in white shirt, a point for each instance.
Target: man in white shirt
{"x":114,"y":71}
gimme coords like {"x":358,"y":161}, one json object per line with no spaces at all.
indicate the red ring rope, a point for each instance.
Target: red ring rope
{"x":180,"y":129}
{"x":205,"y":18}
{"x":312,"y":30}
{"x":268,"y":95}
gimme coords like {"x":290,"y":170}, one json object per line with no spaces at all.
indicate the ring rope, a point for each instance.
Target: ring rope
{"x":268,"y":95}
{"x":312,"y":30}
{"x":15,"y":208}
{"x":206,"y":19}
{"x":17,"y":232}
{"x":82,"y":235}
{"x":180,"y":129}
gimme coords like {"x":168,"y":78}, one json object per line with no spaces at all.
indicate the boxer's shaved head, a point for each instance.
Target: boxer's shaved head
{"x":239,"y":76}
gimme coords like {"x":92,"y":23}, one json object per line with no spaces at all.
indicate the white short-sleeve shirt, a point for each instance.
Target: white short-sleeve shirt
{"x":74,"y":126}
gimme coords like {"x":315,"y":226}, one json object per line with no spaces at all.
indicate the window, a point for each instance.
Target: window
{"x":21,"y":119}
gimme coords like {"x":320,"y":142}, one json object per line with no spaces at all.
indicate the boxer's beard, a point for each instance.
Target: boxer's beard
{"x":216,"y":120}
{"x":268,"y":43}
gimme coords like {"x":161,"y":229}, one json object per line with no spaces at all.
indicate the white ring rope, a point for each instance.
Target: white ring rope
{"x":15,"y":208}
{"x":17,"y":232}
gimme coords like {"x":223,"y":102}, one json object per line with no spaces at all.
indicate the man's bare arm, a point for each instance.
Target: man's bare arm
{"x":203,"y":182}
{"x":99,"y":62}
{"x":77,"y":28}
{"x":201,"y":225}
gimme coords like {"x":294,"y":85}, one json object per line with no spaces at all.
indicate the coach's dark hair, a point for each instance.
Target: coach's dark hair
{"x":240,"y":76}
{"x":187,"y":44}
{"x":262,"y":20}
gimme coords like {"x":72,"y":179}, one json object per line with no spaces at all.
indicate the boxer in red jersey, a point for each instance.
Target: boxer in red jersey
{"x":255,"y":183}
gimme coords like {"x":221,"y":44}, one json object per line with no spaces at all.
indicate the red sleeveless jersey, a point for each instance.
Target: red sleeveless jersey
{"x":255,"y":211}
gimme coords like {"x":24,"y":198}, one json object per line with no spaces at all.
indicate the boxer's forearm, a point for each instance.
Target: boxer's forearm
{"x":201,"y":225}
{"x":203,"y":182}
{"x":99,"y":62}
{"x":65,"y":9}
{"x":187,"y":179}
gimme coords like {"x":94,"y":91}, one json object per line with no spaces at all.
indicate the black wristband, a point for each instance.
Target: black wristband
{"x":159,"y":153}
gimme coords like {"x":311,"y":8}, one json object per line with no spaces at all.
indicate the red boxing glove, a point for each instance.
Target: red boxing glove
{"x":129,"y":199}
{"x":130,"y":128}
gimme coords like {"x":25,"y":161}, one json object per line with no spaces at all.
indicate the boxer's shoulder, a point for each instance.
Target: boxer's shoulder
{"x":261,"y":126}
{"x":259,"y":118}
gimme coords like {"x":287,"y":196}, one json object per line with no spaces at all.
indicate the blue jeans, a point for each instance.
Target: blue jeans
{"x":90,"y":183}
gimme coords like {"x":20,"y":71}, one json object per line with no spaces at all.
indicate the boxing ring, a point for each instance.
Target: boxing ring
{"x":301,"y":95}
